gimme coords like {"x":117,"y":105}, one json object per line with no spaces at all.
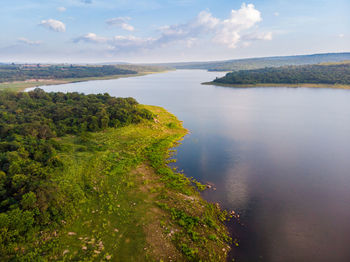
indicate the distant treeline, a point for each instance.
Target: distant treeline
{"x":10,"y":73}
{"x":313,"y":74}
{"x":29,"y":126}
{"x":261,"y":62}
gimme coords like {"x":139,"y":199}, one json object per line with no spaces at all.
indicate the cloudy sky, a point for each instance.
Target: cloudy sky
{"x":169,"y":30}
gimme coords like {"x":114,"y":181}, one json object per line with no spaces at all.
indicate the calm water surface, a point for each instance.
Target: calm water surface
{"x":279,"y":156}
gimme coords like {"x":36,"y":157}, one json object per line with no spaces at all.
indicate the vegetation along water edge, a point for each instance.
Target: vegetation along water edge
{"x":325,"y":75}
{"x":85,"y":178}
{"x":18,"y":77}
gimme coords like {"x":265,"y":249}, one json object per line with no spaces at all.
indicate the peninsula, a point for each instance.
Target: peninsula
{"x":331,"y":75}
{"x":85,"y":177}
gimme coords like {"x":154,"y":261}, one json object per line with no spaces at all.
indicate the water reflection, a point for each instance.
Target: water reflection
{"x":280,"y":156}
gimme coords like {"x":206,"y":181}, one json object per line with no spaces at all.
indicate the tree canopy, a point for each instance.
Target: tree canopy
{"x":10,"y":73}
{"x":314,"y":74}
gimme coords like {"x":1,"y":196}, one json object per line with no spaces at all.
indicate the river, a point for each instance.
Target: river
{"x":280,"y":157}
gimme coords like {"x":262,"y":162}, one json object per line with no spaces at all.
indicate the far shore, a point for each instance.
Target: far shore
{"x":29,"y":83}
{"x":280,"y":85}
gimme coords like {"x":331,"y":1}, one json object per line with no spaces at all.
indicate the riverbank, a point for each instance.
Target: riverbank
{"x":22,"y":85}
{"x":132,"y":207}
{"x":279,"y":85}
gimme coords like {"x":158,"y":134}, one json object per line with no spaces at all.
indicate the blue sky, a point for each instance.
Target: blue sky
{"x":169,"y":30}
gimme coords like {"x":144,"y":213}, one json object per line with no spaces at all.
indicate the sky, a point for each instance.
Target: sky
{"x":152,"y":31}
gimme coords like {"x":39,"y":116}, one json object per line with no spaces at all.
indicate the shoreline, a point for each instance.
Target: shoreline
{"x":121,"y":200}
{"x":176,"y":222}
{"x":335,"y":86}
{"x":20,"y":86}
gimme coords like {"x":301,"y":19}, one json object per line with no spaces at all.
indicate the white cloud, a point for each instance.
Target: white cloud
{"x":244,"y":18}
{"x":121,"y":22}
{"x":276,"y":13}
{"x":24,"y":40}
{"x":118,"y":42}
{"x":206,"y":19}
{"x":53,"y":25}
{"x":229,"y":30}
{"x":341,"y":35}
{"x":240,"y":27}
{"x":61,"y":9}
{"x":91,"y":38}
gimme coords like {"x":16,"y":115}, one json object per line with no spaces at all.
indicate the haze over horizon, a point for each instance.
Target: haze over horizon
{"x":92,"y":31}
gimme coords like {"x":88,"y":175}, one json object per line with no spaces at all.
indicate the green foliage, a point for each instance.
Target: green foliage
{"x":212,"y":237}
{"x":199,"y":185}
{"x":24,"y":72}
{"x":190,"y":253}
{"x":309,"y":74}
{"x":32,"y":197}
{"x":157,"y":154}
{"x":172,"y":125}
{"x":45,"y":115}
{"x":80,"y":196}
{"x":28,"y":200}
{"x":183,"y":219}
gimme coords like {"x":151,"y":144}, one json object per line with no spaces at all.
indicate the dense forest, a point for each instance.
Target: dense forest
{"x":261,"y":62}
{"x":337,"y":73}
{"x":14,"y":72}
{"x":30,"y":124}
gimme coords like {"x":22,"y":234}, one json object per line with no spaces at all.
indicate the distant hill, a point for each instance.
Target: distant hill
{"x":326,"y":73}
{"x":255,"y":63}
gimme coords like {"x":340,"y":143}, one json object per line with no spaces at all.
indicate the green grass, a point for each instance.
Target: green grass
{"x":132,"y":206}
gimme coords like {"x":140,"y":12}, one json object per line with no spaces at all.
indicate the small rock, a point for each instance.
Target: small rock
{"x":65,"y":251}
{"x":84,"y":248}
{"x":116,"y":230}
{"x":71,"y":233}
{"x":97,"y":252}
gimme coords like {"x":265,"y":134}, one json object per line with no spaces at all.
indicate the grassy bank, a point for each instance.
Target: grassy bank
{"x":280,"y":85}
{"x":22,"y":85}
{"x":132,"y":206}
